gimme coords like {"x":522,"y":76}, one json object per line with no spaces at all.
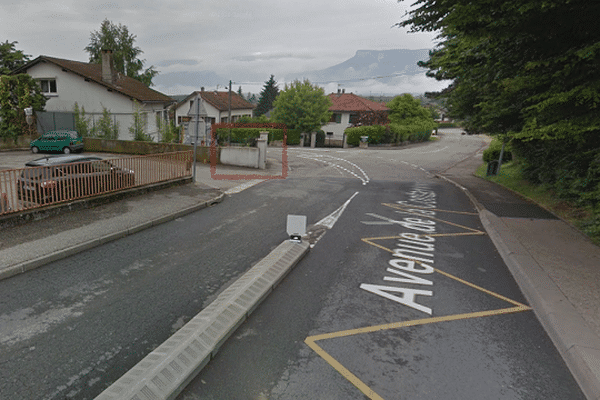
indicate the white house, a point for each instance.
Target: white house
{"x":216,"y":107}
{"x":95,"y":87}
{"x":346,"y":108}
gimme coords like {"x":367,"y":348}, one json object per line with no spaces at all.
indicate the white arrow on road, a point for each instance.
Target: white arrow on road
{"x":330,"y":220}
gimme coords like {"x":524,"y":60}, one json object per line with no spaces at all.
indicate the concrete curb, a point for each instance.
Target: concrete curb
{"x":69,"y":251}
{"x":167,"y":370}
{"x":574,"y":339}
{"x":577,"y":343}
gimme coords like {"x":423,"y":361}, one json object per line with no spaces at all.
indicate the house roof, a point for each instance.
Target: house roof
{"x":349,"y":102}
{"x":93,"y":72}
{"x":220,"y":100}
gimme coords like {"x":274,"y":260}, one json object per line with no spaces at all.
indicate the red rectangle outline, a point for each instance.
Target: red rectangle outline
{"x":237,"y":177}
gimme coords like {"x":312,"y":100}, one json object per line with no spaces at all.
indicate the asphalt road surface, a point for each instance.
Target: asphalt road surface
{"x":354,"y":321}
{"x":71,"y":328}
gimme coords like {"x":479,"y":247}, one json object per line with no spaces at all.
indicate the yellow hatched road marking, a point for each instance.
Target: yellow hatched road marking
{"x":360,"y":385}
{"x":476,"y":231}
{"x":404,"y":207}
{"x":366,"y":390}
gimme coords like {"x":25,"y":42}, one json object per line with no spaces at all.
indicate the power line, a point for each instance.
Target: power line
{"x":326,"y":82}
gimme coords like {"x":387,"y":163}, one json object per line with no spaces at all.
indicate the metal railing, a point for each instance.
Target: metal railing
{"x":33,"y":187}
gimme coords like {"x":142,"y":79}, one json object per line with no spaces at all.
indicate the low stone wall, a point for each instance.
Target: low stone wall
{"x":240,"y":156}
{"x":134,"y":147}
{"x":22,"y":142}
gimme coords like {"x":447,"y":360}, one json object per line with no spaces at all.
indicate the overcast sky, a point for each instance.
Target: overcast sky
{"x":245,"y":41}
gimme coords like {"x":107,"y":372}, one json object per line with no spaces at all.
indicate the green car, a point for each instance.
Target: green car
{"x":65,"y":141}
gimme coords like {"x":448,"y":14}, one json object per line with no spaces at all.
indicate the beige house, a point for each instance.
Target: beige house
{"x":95,"y":87}
{"x":346,"y":107}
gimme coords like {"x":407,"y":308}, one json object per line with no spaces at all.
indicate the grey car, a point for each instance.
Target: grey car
{"x":59,"y":178}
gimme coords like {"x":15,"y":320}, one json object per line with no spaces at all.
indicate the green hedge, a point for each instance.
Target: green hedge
{"x":448,"y":125}
{"x":393,"y":133}
{"x":492,"y":153}
{"x":249,"y":135}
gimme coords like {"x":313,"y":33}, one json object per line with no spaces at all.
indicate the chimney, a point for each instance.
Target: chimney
{"x":343,"y":91}
{"x":202,"y":89}
{"x":108,"y":69}
{"x":339,"y":91}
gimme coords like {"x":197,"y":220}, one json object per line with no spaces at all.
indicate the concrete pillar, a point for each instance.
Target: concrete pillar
{"x":313,"y":139}
{"x":345,"y":142}
{"x":261,"y":143}
{"x":302,"y":140}
{"x":364,"y":143}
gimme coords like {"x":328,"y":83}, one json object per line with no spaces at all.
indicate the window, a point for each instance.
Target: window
{"x":353,"y":118}
{"x":337,"y":118}
{"x":48,"y":86}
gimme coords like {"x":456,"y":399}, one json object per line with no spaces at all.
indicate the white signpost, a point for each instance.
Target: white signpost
{"x":296,"y":227}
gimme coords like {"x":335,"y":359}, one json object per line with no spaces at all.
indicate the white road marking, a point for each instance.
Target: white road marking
{"x":332,"y":218}
{"x":243,"y":186}
{"x":321,"y":158}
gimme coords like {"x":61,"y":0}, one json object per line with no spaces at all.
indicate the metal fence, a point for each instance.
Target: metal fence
{"x":56,"y":120}
{"x":33,"y":187}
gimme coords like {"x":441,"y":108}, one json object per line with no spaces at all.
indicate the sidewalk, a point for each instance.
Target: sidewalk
{"x":34,"y":244}
{"x":556,"y":267}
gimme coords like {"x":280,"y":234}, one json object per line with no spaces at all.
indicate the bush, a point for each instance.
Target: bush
{"x":571,"y":167}
{"x":393,"y":133}
{"x":320,"y":139}
{"x":400,"y":132}
{"x":419,"y":136}
{"x":374,"y":132}
{"x":492,"y":153}
{"x":248,"y":136}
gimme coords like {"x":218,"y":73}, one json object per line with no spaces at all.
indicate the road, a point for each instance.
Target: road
{"x":71,"y":328}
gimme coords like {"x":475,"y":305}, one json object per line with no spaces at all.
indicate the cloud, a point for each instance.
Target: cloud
{"x":274,"y":56}
{"x":244,"y":41}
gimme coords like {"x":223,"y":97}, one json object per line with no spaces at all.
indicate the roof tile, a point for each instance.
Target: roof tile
{"x":123,"y":84}
{"x":351,"y":102}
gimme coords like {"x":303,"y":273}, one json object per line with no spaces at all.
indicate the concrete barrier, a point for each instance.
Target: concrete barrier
{"x":240,"y":156}
{"x":137,"y":147}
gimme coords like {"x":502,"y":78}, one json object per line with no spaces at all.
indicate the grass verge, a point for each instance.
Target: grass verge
{"x":510,"y":177}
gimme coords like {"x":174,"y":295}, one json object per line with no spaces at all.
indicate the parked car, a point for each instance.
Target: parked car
{"x":65,"y":141}
{"x":65,"y":177}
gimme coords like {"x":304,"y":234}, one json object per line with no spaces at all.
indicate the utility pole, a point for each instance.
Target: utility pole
{"x":229,"y":114}
{"x":196,"y":139}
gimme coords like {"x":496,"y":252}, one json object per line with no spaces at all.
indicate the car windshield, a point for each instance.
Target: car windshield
{"x":41,"y":173}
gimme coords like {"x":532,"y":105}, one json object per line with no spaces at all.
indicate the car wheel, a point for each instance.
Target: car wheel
{"x":35,"y":150}
{"x":67,"y":150}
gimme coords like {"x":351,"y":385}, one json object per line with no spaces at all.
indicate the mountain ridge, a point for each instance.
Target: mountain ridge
{"x":367,"y":64}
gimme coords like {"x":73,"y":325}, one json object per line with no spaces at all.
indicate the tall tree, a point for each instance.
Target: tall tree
{"x":527,"y":69}
{"x":11,"y":58}
{"x":302,"y":106}
{"x":240,"y":93}
{"x":18,"y":92}
{"x":267,"y":97}
{"x":405,"y":109}
{"x":125,"y":54}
